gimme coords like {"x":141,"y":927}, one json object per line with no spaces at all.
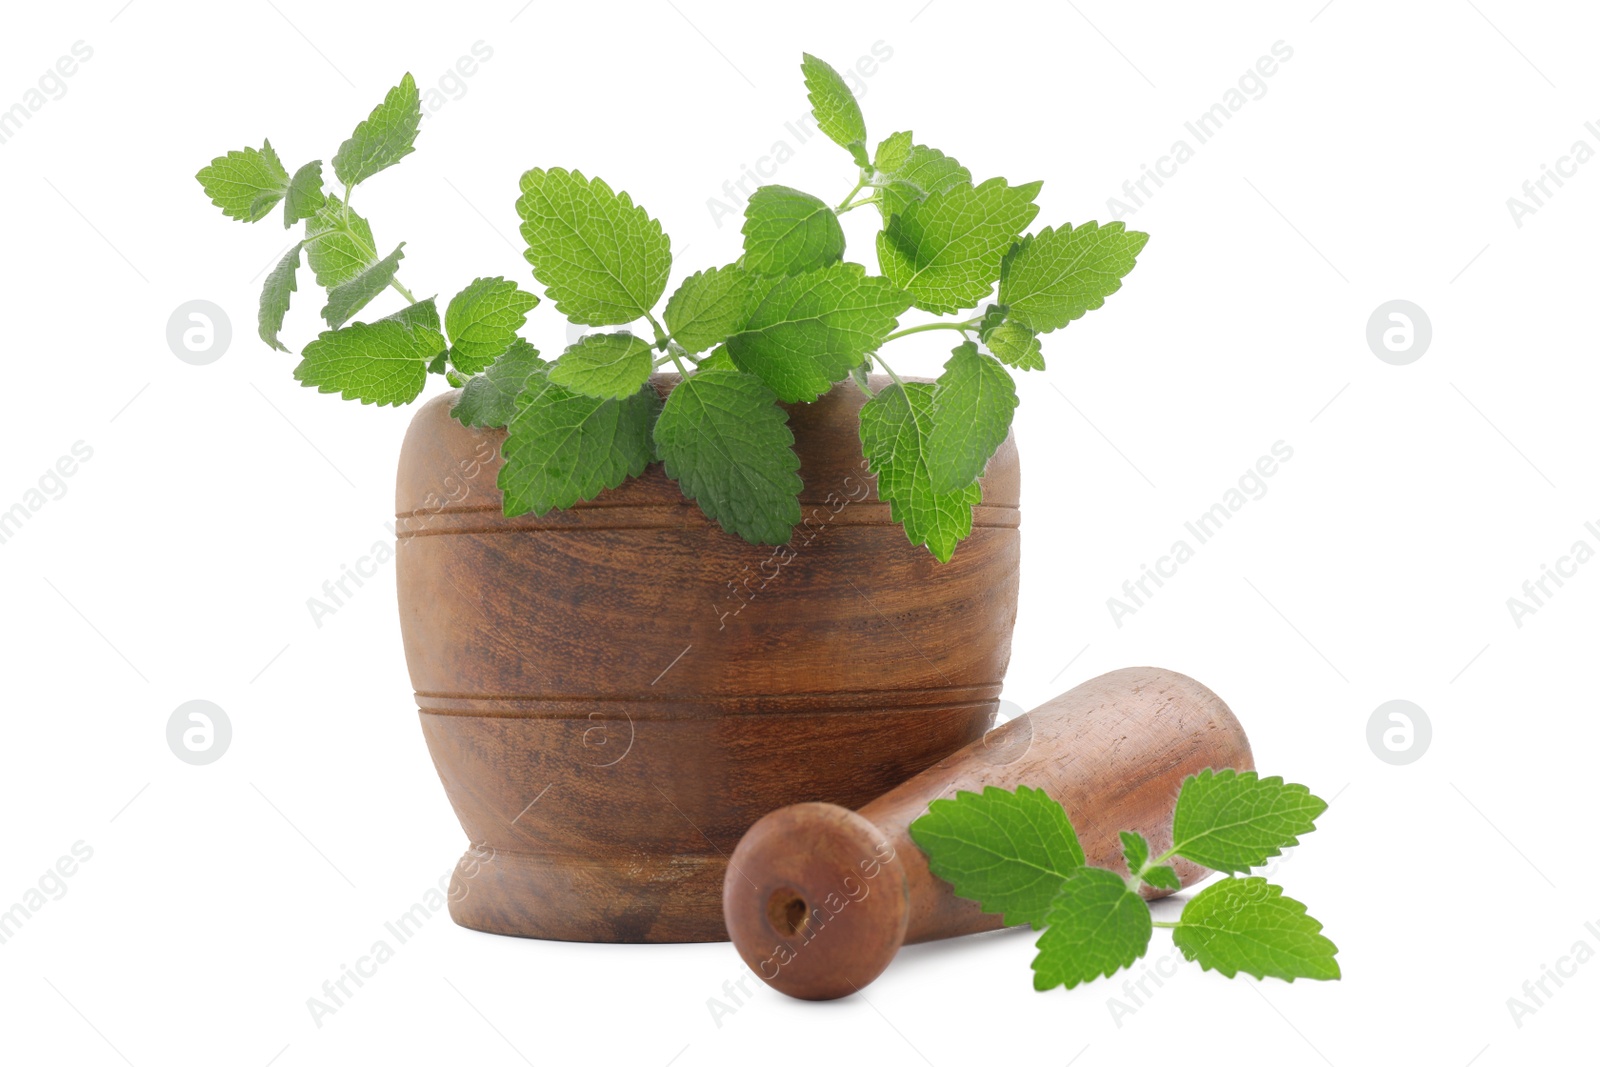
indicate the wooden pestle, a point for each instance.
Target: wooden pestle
{"x":818,"y":899}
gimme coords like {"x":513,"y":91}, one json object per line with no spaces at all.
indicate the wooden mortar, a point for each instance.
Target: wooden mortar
{"x":818,"y":899}
{"x":613,"y":693}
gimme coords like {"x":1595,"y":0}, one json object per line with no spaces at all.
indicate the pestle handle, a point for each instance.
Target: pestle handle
{"x":818,"y":898}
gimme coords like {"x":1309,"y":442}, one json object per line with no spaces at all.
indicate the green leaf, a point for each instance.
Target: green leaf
{"x":1010,"y":852}
{"x":246,"y":183}
{"x":789,"y":232}
{"x":946,"y":249}
{"x":601,"y":259}
{"x":1136,"y":853}
{"x":1055,"y":276}
{"x":1135,"y":850}
{"x":1247,"y":924}
{"x":894,"y":151}
{"x":1015,"y":345}
{"x":482,"y":321}
{"x":490,"y":399}
{"x":727,"y":443}
{"x":1232,"y":822}
{"x":384,"y":362}
{"x":719,"y":360}
{"x":421,"y":320}
{"x":894,"y":436}
{"x":834,"y":105}
{"x":275,"y":298}
{"x":993,"y":315}
{"x":973,"y":402}
{"x":605,"y":365}
{"x":1096,"y":927}
{"x":709,"y":306}
{"x":304,"y":197}
{"x":349,"y":297}
{"x":1163,"y":877}
{"x":338,"y":243}
{"x":422,"y":315}
{"x":806,"y":331}
{"x":384,"y":138}
{"x":861,"y":375}
{"x":911,"y":172}
{"x":562,"y":447}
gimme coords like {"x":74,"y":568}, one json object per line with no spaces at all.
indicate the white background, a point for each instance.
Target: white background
{"x":1377,"y":566}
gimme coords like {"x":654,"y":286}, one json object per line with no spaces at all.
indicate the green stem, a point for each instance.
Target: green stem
{"x":681,"y":368}
{"x":888,"y":370}
{"x":1165,"y":926}
{"x":859,"y":203}
{"x":844,"y":205}
{"x":370,"y":252}
{"x":909,"y":330}
{"x":675,"y":352}
{"x":661,"y":335}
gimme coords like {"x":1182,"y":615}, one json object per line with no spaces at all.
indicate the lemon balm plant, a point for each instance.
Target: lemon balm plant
{"x":781,"y":324}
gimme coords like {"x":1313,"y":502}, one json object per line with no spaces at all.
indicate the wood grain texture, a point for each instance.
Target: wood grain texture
{"x":612,"y":694}
{"x":818,"y":900}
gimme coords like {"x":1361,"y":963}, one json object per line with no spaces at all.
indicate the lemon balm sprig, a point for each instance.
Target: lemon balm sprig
{"x":1017,"y":855}
{"x":782,"y":323}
